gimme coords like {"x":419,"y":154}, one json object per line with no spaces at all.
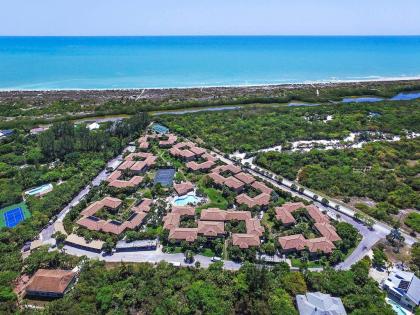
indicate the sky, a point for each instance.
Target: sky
{"x":209,"y":17}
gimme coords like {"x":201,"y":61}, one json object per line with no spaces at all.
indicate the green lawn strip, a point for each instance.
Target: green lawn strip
{"x":207,"y":252}
{"x":311,"y":264}
{"x":413,"y":221}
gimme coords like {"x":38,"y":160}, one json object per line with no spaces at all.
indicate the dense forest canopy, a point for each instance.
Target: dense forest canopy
{"x":258,"y":128}
{"x":65,"y":154}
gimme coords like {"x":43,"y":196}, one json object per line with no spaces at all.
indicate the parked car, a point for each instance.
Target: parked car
{"x":215,"y":259}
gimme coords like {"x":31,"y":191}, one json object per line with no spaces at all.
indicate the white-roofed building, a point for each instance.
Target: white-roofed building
{"x":403,"y":287}
{"x":317,"y":303}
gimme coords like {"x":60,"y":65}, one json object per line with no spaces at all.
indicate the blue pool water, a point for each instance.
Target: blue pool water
{"x":185,"y":200}
{"x":139,"y":62}
{"x":39,"y":189}
{"x":397,"y":308}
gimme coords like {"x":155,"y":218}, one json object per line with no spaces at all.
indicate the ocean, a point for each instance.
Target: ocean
{"x":28,"y":63}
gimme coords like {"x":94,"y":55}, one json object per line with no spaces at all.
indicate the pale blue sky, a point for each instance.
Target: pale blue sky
{"x":210,"y":17}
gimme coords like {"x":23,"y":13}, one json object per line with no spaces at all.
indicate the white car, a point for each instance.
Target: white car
{"x":215,"y":259}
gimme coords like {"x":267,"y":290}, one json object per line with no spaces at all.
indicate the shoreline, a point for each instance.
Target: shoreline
{"x":290,"y":85}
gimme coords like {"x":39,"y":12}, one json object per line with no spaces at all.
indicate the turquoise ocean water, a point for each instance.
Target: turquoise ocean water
{"x":162,"y":62}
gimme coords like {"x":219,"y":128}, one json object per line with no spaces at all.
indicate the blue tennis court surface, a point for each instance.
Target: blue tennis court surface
{"x":165,"y":177}
{"x":13,"y":217}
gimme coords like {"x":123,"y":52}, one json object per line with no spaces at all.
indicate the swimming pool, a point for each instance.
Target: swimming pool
{"x":39,"y":191}
{"x":186,"y":199}
{"x":396,"y":307}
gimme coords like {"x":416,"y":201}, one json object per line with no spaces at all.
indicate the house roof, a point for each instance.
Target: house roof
{"x":318,"y":303}
{"x":228,"y":167}
{"x":253,"y":226}
{"x":284,"y":216}
{"x":294,"y":242}
{"x":217,"y":178}
{"x":260,"y":200}
{"x":238,"y":215}
{"x":75,"y":239}
{"x":50,"y":280}
{"x":245,"y":240}
{"x":321,"y":244}
{"x":171,"y":221}
{"x":200,"y":166}
{"x":183,"y":210}
{"x":170,"y":141}
{"x":316,"y":214}
{"x":211,"y":228}
{"x":328,"y":231}
{"x":414,"y":290}
{"x":233,"y":183}
{"x":213,"y":214}
{"x":114,"y":175}
{"x":132,"y":182}
{"x":143,"y":206}
{"x":185,"y":234}
{"x":90,"y":224}
{"x":183,"y":188}
{"x":261,"y":187}
{"x":111,"y":202}
{"x":245,"y":178}
{"x":126,"y":165}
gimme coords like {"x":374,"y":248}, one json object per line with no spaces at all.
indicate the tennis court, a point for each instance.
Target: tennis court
{"x":165,"y":177}
{"x":13,"y":215}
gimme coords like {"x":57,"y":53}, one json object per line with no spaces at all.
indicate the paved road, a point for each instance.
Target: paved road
{"x":150,"y":257}
{"x":369,"y":236}
{"x":46,"y":234}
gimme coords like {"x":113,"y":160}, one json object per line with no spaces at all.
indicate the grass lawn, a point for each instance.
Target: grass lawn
{"x":413,"y":221}
{"x":21,"y":205}
{"x":216,"y":198}
{"x":311,"y":264}
{"x":208,"y":252}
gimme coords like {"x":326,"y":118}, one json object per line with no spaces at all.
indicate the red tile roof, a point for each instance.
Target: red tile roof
{"x":245,"y":240}
{"x":171,"y":221}
{"x":91,"y":224}
{"x":109,"y":202}
{"x":217,"y":178}
{"x":143,"y":206}
{"x":320,"y":244}
{"x":238,"y":215}
{"x":261,"y":187}
{"x":211,"y":228}
{"x":183,"y":210}
{"x":133,"y":182}
{"x":213,"y":214}
{"x":316,"y":214}
{"x":114,"y":175}
{"x":183,"y":234}
{"x":228,"y":168}
{"x":260,"y":200}
{"x":328,"y":231}
{"x":126,"y":165}
{"x":183,"y":188}
{"x":50,"y":281}
{"x":234,"y":183}
{"x":292,"y":242}
{"x":170,"y":141}
{"x":253,"y":226}
{"x":204,"y":166}
{"x":246,"y":178}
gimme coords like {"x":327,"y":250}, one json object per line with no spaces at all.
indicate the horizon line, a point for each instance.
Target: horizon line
{"x":227,"y":35}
